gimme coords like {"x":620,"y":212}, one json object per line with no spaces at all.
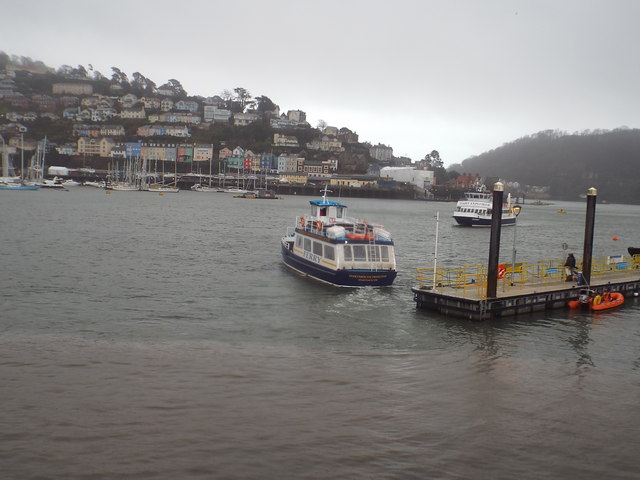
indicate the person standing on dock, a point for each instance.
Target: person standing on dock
{"x":570,"y":267}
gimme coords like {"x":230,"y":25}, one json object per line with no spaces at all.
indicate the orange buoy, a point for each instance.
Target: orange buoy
{"x":614,"y":239}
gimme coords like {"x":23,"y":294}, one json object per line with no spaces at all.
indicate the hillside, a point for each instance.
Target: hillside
{"x":568,"y":163}
{"x":30,"y":105}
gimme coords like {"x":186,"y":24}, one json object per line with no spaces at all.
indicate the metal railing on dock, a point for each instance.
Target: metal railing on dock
{"x":470,"y":281}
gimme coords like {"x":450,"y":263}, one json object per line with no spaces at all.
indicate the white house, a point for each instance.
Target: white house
{"x":419,"y":178}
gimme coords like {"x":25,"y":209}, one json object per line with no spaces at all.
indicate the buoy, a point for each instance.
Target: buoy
{"x":615,"y":239}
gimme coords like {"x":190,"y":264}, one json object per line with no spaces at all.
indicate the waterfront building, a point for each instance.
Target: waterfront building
{"x":95,"y":146}
{"x":420,"y":178}
{"x":202,"y":153}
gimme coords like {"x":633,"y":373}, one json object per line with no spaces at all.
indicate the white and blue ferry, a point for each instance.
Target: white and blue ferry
{"x":332,"y":248}
{"x":474,"y":210}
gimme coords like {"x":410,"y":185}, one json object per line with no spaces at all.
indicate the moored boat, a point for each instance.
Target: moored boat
{"x":198,"y":187}
{"x":332,"y":248}
{"x":607,"y":300}
{"x":596,"y":301}
{"x":10,"y":185}
{"x":161,"y":188}
{"x":474,"y":209}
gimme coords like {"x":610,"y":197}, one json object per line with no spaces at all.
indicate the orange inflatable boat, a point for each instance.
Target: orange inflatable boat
{"x":599,"y":302}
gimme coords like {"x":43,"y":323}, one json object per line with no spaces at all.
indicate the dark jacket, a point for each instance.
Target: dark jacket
{"x":571,"y":262}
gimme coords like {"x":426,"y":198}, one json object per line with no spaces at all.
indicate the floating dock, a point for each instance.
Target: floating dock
{"x":529,"y":288}
{"x":477,"y":292}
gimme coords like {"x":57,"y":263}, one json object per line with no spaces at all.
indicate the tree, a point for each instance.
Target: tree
{"x":142,"y":84}
{"x":80,"y":71}
{"x":119,"y":76}
{"x":243,"y":97}
{"x":4,"y":59}
{"x":264,"y":104}
{"x":321,"y":125}
{"x":65,"y":70}
{"x":177,"y":87}
{"x":436,"y":161}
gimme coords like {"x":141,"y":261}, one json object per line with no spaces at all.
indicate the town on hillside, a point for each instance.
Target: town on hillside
{"x":94,"y":124}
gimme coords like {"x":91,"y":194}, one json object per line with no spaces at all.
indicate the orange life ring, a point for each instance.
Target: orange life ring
{"x":318,"y":225}
{"x":502,"y":270}
{"x":303,"y":222}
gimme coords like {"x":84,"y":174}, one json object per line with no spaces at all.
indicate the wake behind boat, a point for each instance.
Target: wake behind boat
{"x":474,"y":210}
{"x":332,"y":248}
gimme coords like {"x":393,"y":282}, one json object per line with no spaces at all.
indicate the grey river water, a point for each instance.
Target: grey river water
{"x":159,"y":337}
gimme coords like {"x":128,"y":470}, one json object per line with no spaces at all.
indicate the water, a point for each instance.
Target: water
{"x":147,"y":336}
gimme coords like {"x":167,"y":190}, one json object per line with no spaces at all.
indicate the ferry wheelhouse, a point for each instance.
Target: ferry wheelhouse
{"x":332,"y":248}
{"x":474,"y":210}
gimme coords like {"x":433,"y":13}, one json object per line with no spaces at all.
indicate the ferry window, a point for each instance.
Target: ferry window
{"x":348,"y":257}
{"x":384,"y":253}
{"x":307,"y":244}
{"x":299,"y":241}
{"x":374,"y":256}
{"x":317,"y":248}
{"x":359,"y":253}
{"x":329,"y":252}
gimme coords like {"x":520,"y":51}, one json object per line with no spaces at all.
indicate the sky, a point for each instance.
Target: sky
{"x":458,"y":76}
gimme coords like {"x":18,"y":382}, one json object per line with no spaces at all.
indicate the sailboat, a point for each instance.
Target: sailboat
{"x":128,"y":182}
{"x":166,"y":188}
{"x":12,"y":182}
{"x":198,"y":187}
{"x":35,"y":175}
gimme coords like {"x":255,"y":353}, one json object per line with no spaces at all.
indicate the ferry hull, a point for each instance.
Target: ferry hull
{"x":340,"y":278}
{"x":481,"y":221}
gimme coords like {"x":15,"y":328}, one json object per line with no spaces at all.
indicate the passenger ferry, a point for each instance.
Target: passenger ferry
{"x":332,"y":248}
{"x":474,"y":210}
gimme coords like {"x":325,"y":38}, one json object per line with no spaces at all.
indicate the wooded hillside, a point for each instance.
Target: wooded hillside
{"x":569,"y":163}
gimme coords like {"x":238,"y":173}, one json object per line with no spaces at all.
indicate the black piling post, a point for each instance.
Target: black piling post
{"x":494,"y":242}
{"x":587,"y":253}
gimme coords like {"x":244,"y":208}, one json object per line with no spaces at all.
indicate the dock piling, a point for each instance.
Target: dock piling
{"x":587,"y":253}
{"x":494,"y":242}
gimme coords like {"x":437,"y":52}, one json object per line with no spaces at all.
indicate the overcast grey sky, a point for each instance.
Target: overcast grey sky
{"x":458,"y":76}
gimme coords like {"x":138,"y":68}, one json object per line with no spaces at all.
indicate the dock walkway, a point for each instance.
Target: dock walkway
{"x":524,"y":288}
